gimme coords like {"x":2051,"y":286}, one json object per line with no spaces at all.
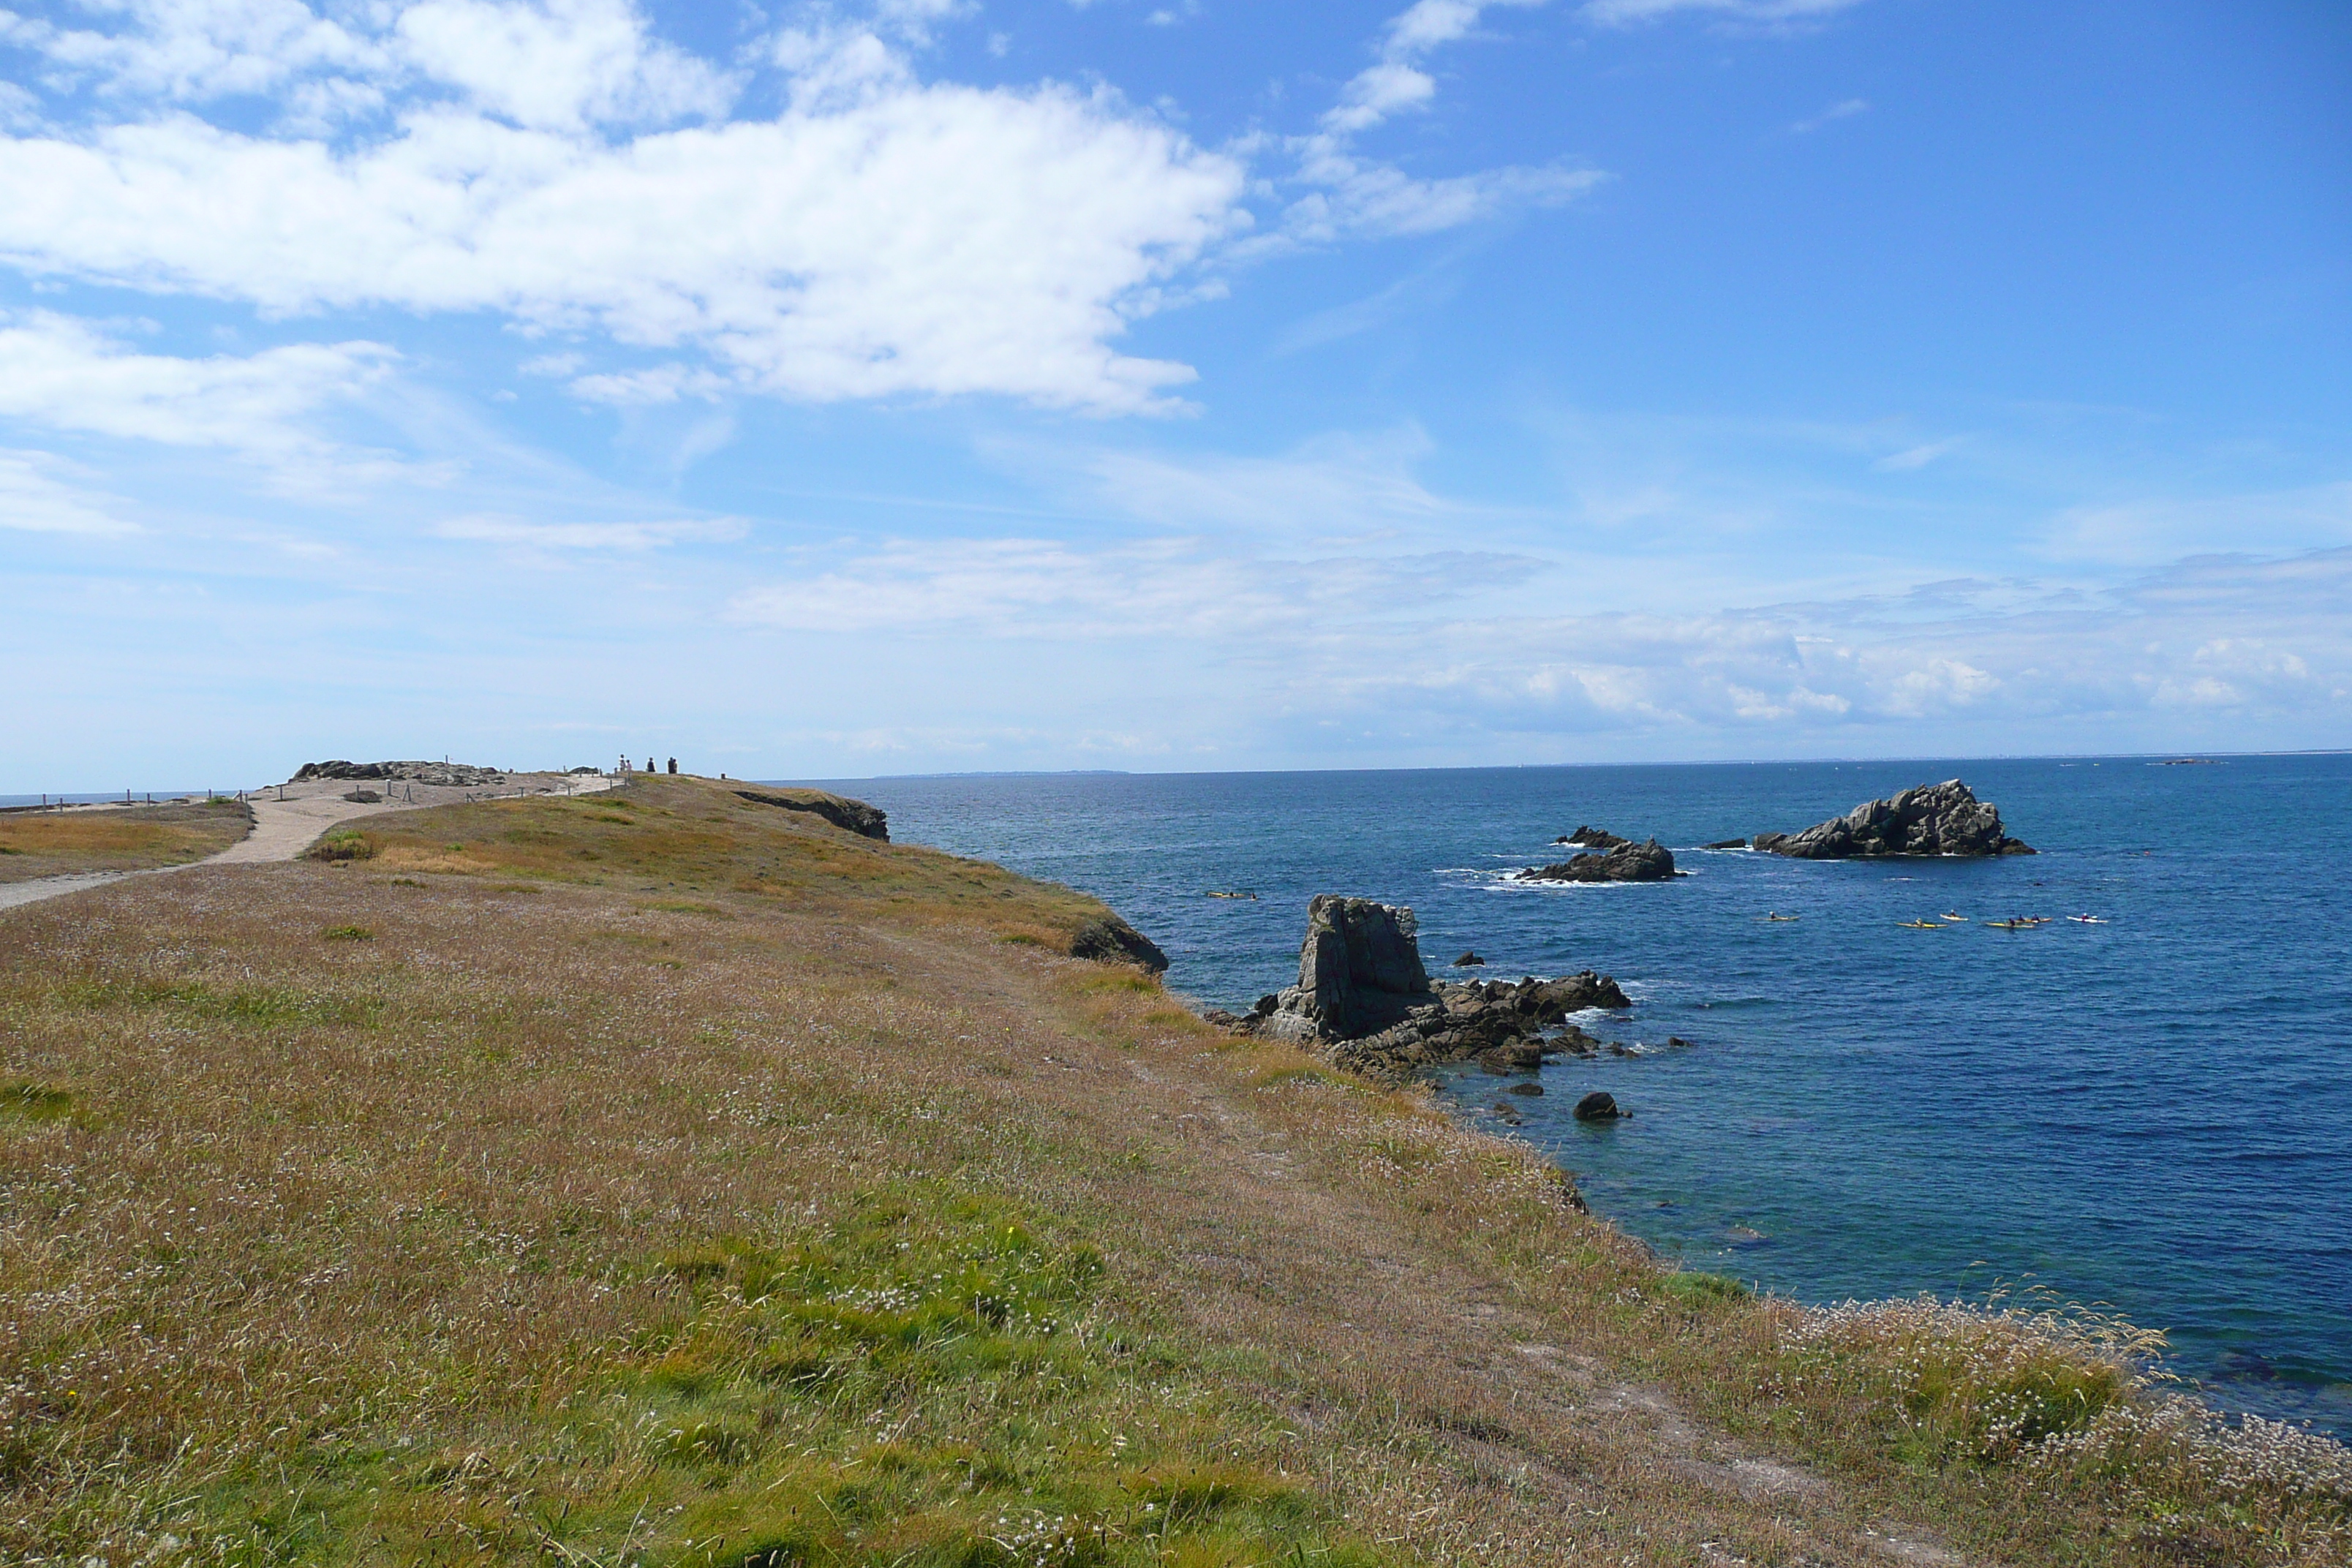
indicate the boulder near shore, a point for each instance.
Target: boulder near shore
{"x":1928,"y":819}
{"x":1364,"y":1001}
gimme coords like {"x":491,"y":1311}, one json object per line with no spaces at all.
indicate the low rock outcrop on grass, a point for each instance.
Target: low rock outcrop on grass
{"x":849,"y":816}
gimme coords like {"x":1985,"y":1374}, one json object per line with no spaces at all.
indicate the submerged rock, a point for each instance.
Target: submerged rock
{"x":1926,"y":819}
{"x":1647,"y":862}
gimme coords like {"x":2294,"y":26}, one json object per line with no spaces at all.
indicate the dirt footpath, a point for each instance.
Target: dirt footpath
{"x":286,"y":818}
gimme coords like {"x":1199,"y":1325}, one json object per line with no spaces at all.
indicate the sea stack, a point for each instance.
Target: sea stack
{"x":1928,"y":819}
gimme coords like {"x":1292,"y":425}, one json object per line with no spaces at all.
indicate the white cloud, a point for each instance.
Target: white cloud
{"x":34,"y":503}
{"x":1396,"y":82}
{"x":185,"y":52}
{"x":562,"y":63}
{"x":941,"y":240}
{"x":903,"y":239}
{"x":881,"y":236}
{"x":67,"y":376}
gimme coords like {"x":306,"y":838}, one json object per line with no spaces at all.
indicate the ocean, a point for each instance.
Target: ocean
{"x":2151,"y":1115}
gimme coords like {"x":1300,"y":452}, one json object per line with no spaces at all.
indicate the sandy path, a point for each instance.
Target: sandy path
{"x":288,"y":817}
{"x":39,"y":887}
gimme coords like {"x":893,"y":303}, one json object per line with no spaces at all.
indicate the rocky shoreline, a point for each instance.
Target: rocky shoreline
{"x":1365,"y":1003}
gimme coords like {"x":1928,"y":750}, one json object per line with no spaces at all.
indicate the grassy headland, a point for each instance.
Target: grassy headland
{"x":661,"y":1177}
{"x":126,"y":839}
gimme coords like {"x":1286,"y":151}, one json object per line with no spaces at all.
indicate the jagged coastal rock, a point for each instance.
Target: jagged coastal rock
{"x":1592,"y":838}
{"x":1364,"y":1001}
{"x":1926,"y":819}
{"x":458,"y":776}
{"x":1359,"y":971}
{"x":1627,"y":862}
{"x":850,"y":816}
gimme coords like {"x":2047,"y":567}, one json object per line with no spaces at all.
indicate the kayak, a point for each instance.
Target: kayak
{"x":2088,"y":920}
{"x":1919,"y":925}
{"x":2011,"y":925}
{"x":1784,"y":917}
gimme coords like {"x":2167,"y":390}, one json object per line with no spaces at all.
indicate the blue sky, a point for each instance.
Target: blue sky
{"x":943,"y":385}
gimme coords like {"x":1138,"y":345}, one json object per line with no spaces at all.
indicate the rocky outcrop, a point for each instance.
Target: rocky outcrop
{"x":458,"y":776}
{"x":1469,"y":961}
{"x":1364,"y":1001}
{"x":1110,"y":939}
{"x":1592,"y":838}
{"x":1359,"y":971}
{"x":1599,"y":1106}
{"x":850,"y":816}
{"x":1926,"y":819}
{"x":1647,"y":862}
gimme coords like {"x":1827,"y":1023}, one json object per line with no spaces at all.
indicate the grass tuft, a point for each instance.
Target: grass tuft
{"x":32,"y":1101}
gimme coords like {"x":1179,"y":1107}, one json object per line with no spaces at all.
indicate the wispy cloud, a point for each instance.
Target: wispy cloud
{"x":494,"y":528}
{"x":1054,"y":590}
{"x":1348,"y":193}
{"x":1914,"y":458}
{"x":2147,"y":531}
{"x":66,"y":374}
{"x":1753,"y":13}
{"x":34,"y":499}
{"x":1844,"y":111}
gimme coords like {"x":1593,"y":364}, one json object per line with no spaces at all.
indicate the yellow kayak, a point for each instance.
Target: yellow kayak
{"x":1919,"y":925}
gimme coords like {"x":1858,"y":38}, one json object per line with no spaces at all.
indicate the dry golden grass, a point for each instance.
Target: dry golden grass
{"x":133,"y":838}
{"x":776,"y":1202}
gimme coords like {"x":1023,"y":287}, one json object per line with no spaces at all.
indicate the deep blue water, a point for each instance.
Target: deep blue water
{"x":2154,"y":1114}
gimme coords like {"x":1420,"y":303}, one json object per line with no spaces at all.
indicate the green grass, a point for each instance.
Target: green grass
{"x":34,"y":1102}
{"x":933,"y":1377}
{"x":699,"y":837}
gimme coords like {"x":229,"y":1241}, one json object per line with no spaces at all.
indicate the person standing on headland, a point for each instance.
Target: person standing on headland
{"x":673,"y":765}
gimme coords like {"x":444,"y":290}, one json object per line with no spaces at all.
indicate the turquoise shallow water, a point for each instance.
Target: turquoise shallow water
{"x":2154,"y":1114}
